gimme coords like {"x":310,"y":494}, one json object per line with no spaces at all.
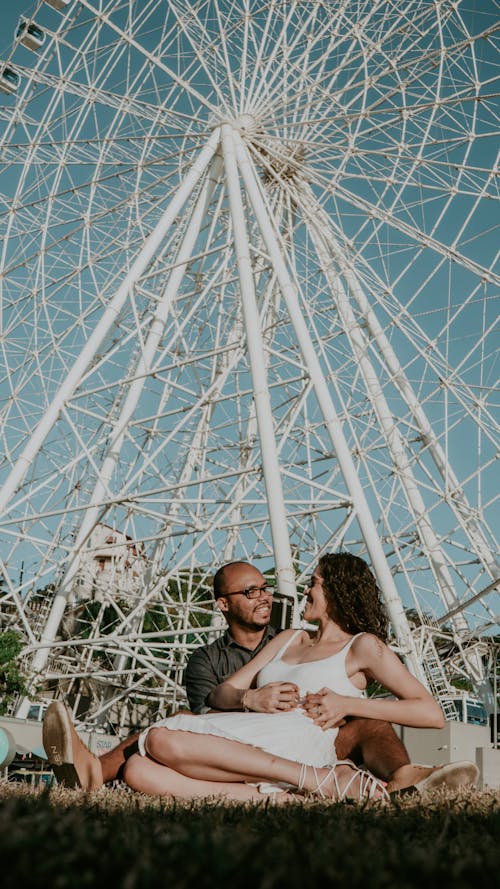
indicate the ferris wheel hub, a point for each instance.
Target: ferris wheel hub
{"x":247,"y":123}
{"x":244,"y":123}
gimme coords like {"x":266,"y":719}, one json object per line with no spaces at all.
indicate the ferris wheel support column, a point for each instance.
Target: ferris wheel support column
{"x":91,"y":514}
{"x":272,"y":476}
{"x":392,"y":435}
{"x":458,"y":501}
{"x":109,"y":316}
{"x":143,"y":366}
{"x":333,"y":424}
{"x":395,"y":444}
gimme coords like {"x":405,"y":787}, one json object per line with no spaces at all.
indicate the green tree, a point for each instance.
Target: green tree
{"x":12,"y":681}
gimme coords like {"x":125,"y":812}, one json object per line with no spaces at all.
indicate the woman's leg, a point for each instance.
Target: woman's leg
{"x":210,"y":758}
{"x":146,"y":776}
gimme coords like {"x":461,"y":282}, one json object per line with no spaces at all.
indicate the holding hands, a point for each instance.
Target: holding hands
{"x":271,"y":698}
{"x":326,"y":708}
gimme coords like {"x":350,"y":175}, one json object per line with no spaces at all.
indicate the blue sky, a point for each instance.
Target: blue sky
{"x":431,"y":313}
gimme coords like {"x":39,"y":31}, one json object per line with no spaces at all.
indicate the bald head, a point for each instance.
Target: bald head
{"x":223,"y":577}
{"x":243,"y":615}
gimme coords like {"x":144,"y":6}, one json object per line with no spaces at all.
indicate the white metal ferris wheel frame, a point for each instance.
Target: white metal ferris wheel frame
{"x":232,"y":152}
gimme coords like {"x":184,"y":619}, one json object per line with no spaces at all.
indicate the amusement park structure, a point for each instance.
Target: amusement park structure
{"x":248,"y":312}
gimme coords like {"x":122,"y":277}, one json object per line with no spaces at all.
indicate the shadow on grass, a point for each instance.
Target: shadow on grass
{"x":58,"y":838}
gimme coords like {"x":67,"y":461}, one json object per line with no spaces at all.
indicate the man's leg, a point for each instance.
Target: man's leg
{"x":114,"y":760}
{"x":376,"y":745}
{"x":71,"y":761}
{"x":203,"y":758}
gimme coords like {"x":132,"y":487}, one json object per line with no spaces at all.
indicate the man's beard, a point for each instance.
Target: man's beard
{"x":252,"y":624}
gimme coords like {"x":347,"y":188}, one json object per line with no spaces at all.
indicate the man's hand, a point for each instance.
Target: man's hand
{"x":326,"y":708}
{"x":271,"y":698}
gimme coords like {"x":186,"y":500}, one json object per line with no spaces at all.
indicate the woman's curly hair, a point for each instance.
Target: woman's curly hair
{"x":352,"y":595}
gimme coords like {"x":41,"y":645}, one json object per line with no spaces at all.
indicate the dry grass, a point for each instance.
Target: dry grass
{"x":62,"y":838}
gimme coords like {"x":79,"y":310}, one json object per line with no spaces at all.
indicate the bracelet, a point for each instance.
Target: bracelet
{"x":245,"y":708}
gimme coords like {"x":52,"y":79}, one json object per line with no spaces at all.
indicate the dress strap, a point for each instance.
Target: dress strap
{"x":281,"y":652}
{"x":346,"y":648}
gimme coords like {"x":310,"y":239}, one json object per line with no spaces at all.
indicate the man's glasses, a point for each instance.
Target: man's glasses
{"x":253,"y":592}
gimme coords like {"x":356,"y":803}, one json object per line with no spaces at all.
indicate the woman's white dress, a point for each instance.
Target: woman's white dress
{"x":293,"y":734}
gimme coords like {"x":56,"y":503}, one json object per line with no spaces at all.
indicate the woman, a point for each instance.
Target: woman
{"x":235,"y":755}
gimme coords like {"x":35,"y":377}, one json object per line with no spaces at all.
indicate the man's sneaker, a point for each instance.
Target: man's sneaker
{"x":452,"y":775}
{"x":71,"y":761}
{"x":415,"y":778}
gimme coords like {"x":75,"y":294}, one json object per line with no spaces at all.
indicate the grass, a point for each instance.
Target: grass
{"x":59,"y":838}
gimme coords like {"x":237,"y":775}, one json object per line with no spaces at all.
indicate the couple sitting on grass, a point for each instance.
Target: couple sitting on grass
{"x":278,"y":714}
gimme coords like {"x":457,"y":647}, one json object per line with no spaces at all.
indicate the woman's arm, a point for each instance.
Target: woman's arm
{"x":414,"y":705}
{"x":236,"y":693}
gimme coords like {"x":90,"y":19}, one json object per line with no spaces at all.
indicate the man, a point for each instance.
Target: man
{"x":244,"y":597}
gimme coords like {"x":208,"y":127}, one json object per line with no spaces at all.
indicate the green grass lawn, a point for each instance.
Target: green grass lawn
{"x":58,"y":838}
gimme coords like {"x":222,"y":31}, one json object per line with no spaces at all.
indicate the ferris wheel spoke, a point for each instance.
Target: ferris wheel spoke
{"x":153,"y":58}
{"x":419,"y":236}
{"x":453,"y":489}
{"x":314,"y":74}
{"x":348,"y":62}
{"x":65,"y":84}
{"x":97,"y":217}
{"x":259,"y":32}
{"x":284,"y":67}
{"x":200,"y":52}
{"x":490,"y":558}
{"x":421,"y":107}
{"x":360,"y":200}
{"x":20,"y":469}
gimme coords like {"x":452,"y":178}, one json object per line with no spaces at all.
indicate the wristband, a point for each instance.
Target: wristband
{"x":244,"y":706}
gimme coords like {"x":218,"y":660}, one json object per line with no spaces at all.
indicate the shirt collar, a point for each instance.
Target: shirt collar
{"x":229,"y":642}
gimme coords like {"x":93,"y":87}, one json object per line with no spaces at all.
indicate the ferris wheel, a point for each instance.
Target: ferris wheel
{"x":248,"y":312}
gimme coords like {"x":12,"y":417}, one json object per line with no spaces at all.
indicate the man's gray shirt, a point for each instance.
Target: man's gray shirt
{"x":211,"y":664}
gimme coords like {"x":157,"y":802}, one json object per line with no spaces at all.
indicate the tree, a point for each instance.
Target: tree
{"x":12,"y":681}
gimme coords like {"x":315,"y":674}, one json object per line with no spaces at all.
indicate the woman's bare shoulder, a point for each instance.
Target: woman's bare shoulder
{"x":303,"y":635}
{"x":369,"y":645}
{"x":299,"y":636}
{"x":281,"y":638}
{"x":285,"y":635}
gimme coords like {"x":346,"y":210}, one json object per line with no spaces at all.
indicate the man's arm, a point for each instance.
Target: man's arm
{"x":237,"y":692}
{"x":206,"y":689}
{"x":200,"y":679}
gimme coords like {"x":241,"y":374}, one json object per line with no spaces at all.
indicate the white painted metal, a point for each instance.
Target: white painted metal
{"x":130,"y":403}
{"x":270,"y":462}
{"x":457,"y":499}
{"x":332,"y":422}
{"x":110,"y":316}
{"x":264,"y":357}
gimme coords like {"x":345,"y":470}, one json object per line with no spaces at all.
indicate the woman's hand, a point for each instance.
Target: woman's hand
{"x":271,"y":698}
{"x":326,"y":708}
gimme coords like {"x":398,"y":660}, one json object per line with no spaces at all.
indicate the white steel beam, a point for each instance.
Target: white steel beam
{"x":457,"y":499}
{"x":101,"y":487}
{"x":109,"y":316}
{"x":332,"y":421}
{"x":272,"y":476}
{"x":388,"y":425}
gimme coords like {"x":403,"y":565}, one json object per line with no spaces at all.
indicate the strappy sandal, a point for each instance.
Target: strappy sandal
{"x":367,"y":788}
